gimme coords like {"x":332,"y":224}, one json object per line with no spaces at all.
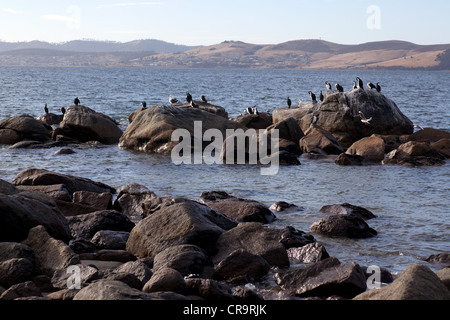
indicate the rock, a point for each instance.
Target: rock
{"x":280,"y":206}
{"x":443,"y":147}
{"x":414,"y":153}
{"x":288,"y":129}
{"x":86,"y":225}
{"x":151,"y":129}
{"x":416,"y":282}
{"x":209,"y":289}
{"x":81,"y":245}
{"x":84,"y":124}
{"x":130,"y":198}
{"x":323,"y":279}
{"x":87,"y":274}
{"x":97,"y":201}
{"x":347,"y":226}
{"x":429,"y":135}
{"x":110,"y":290}
{"x":371,"y":148}
{"x":297,"y":114}
{"x":345,"y":159}
{"x":22,"y":210}
{"x":166,"y":279}
{"x":55,"y":191}
{"x":35,"y":177}
{"x":51,"y":254}
{"x":282,"y":157}
{"x":255,"y":239}
{"x":24,"y":289}
{"x":444,"y":276}
{"x":309,"y":253}
{"x":137,"y":268}
{"x":15,"y":270}
{"x":440,"y":258}
{"x":241,"y":266}
{"x":23,"y":127}
{"x":347,"y":209}
{"x":109,"y":239}
{"x":254,"y":121}
{"x":392,"y":142}
{"x":64,"y":151}
{"x":15,"y":250}
{"x":318,"y":140}
{"x":175,"y":221}
{"x":50,"y":119}
{"x":238,"y":209}
{"x":127,"y":278}
{"x":109,"y":255}
{"x":186,"y":259}
{"x":289,"y":146}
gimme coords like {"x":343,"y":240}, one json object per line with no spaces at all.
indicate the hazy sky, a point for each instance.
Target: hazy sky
{"x":206,"y":22}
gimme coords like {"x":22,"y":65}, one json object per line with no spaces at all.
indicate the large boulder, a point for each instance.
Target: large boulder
{"x":372,"y":148}
{"x":84,"y":124}
{"x":254,"y":121}
{"x":416,"y":282}
{"x":415,"y":153}
{"x":23,"y":127}
{"x":429,"y":135}
{"x":22,"y":210}
{"x":151,"y":130}
{"x":339,"y":114}
{"x":347,"y":226}
{"x":318,"y":140}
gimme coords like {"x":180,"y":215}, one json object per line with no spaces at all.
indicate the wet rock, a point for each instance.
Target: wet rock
{"x":186,"y":259}
{"x":81,"y":245}
{"x":55,"y":191}
{"x":311,"y":252}
{"x":60,"y":278}
{"x":137,"y":268}
{"x":347,"y":226}
{"x":15,"y":270}
{"x":444,"y":276}
{"x":443,"y":147}
{"x":416,"y":282}
{"x":209,"y":289}
{"x":166,"y":279}
{"x":50,"y":119}
{"x":289,"y":146}
{"x":97,"y":201}
{"x":130,"y":198}
{"x":280,"y":206}
{"x":22,"y":210}
{"x":372,"y":148}
{"x":20,"y":290}
{"x":348,"y":209}
{"x":318,"y":140}
{"x":238,"y":209}
{"x":323,"y":279}
{"x":439,"y":258}
{"x":64,"y":151}
{"x":175,"y":221}
{"x":86,"y":225}
{"x":51,"y":254}
{"x":254,"y":121}
{"x":110,"y":290}
{"x":109,"y":239}
{"x":429,"y":135}
{"x":345,"y":159}
{"x":84,"y":124}
{"x":282,"y":157}
{"x":288,"y":129}
{"x":415,"y":153}
{"x":127,"y":278}
{"x":108,"y":255}
{"x":15,"y":250}
{"x":23,"y":127}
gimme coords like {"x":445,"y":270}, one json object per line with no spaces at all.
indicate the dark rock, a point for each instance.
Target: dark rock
{"x":443,"y":147}
{"x":127,"y":278}
{"x":311,"y":252}
{"x":110,"y":290}
{"x":254,"y":121}
{"x":282,"y":206}
{"x":15,"y":270}
{"x":12,"y":250}
{"x":109,"y":239}
{"x":137,"y":268}
{"x":209,"y":289}
{"x":429,"y":135}
{"x":130,"y":198}
{"x":349,"y":160}
{"x":372,"y":148}
{"x":23,"y":127}
{"x":87,"y":274}
{"x":108,"y":255}
{"x":55,"y":191}
{"x":440,"y":258}
{"x":348,"y":226}
{"x":318,"y":140}
{"x":288,"y":129}
{"x":166,"y":279}
{"x":81,"y":245}
{"x":415,"y":153}
{"x":346,"y":209}
{"x":23,"y":289}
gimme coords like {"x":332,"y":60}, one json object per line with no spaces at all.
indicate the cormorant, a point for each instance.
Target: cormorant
{"x":328,"y":85}
{"x":371,"y":85}
{"x":76,"y":101}
{"x":188,"y":97}
{"x":360,"y":83}
{"x":289,"y":102}
{"x":204,"y":99}
{"x":255,"y":110}
{"x":248,"y":111}
{"x":354,"y":85}
{"x":321,"y":97}
{"x":193,"y":104}
{"x":364,"y":119}
{"x":144,"y":105}
{"x":313,"y":96}
{"x":63,"y":110}
{"x":172,"y":100}
{"x":45,"y":108}
{"x":339,"y":87}
{"x":378,"y":87}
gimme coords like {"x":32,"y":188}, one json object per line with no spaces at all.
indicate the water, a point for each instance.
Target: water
{"x":411,"y":203}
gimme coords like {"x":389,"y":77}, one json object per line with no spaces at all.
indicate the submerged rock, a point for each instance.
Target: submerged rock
{"x":349,"y":226}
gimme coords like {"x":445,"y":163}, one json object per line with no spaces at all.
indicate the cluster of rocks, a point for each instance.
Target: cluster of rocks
{"x":64,"y":237}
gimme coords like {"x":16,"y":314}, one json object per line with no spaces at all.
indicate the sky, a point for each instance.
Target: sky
{"x":208,"y":22}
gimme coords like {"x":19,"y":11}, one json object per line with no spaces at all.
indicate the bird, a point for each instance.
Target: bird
{"x":321,"y":97}
{"x":45,"y":108}
{"x":188,"y":97}
{"x":377,"y":87}
{"x":313,"y":96}
{"x":354,"y":85}
{"x":204,"y":99}
{"x":76,"y":101}
{"x":364,"y":119}
{"x":193,"y":104}
{"x":416,"y":126}
{"x":172,"y":100}
{"x":371,"y":85}
{"x":360,"y":83}
{"x":289,"y":102}
{"x":63,"y":110}
{"x":328,"y":85}
{"x":144,"y":105}
{"x":339,"y":87}
{"x":248,"y":111}
{"x":255,"y":110}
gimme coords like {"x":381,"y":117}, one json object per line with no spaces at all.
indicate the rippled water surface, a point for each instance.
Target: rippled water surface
{"x":411,"y":203}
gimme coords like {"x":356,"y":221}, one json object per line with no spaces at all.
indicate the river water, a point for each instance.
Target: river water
{"x":412,"y":204}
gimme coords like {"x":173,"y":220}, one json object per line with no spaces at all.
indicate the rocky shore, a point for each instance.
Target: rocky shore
{"x":65,"y":237}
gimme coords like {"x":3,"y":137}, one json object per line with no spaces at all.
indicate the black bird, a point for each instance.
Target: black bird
{"x":321,"y":97}
{"x":255,"y":110}
{"x":193,"y":104}
{"x":248,"y":110}
{"x":371,"y":85}
{"x":204,"y":99}
{"x":289,"y":102}
{"x":144,"y":105}
{"x":63,"y":110}
{"x":188,"y":97}
{"x":377,"y":87}
{"x":339,"y":87}
{"x":45,"y":108}
{"x":313,"y":96}
{"x":76,"y":101}
{"x":360,"y":83}
{"x":354,"y":85}
{"x":328,"y":85}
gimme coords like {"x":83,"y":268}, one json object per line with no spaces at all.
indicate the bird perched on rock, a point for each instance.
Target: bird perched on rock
{"x":289,"y":102}
{"x":328,"y":85}
{"x":377,"y":87}
{"x":204,"y":99}
{"x":193,"y":104}
{"x":172,"y":100}
{"x":45,"y":108}
{"x":188,"y":97}
{"x":360,"y":83}
{"x":339,"y":87}
{"x":255,"y":110}
{"x":371,"y":85}
{"x":144,"y":105}
{"x":313,"y":96}
{"x":354,"y":85}
{"x":76,"y":101}
{"x":248,"y":111}
{"x":63,"y":110}
{"x":321,"y":97}
{"x":364,"y":119}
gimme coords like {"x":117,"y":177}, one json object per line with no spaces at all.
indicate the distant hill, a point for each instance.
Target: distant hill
{"x":296,"y":54}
